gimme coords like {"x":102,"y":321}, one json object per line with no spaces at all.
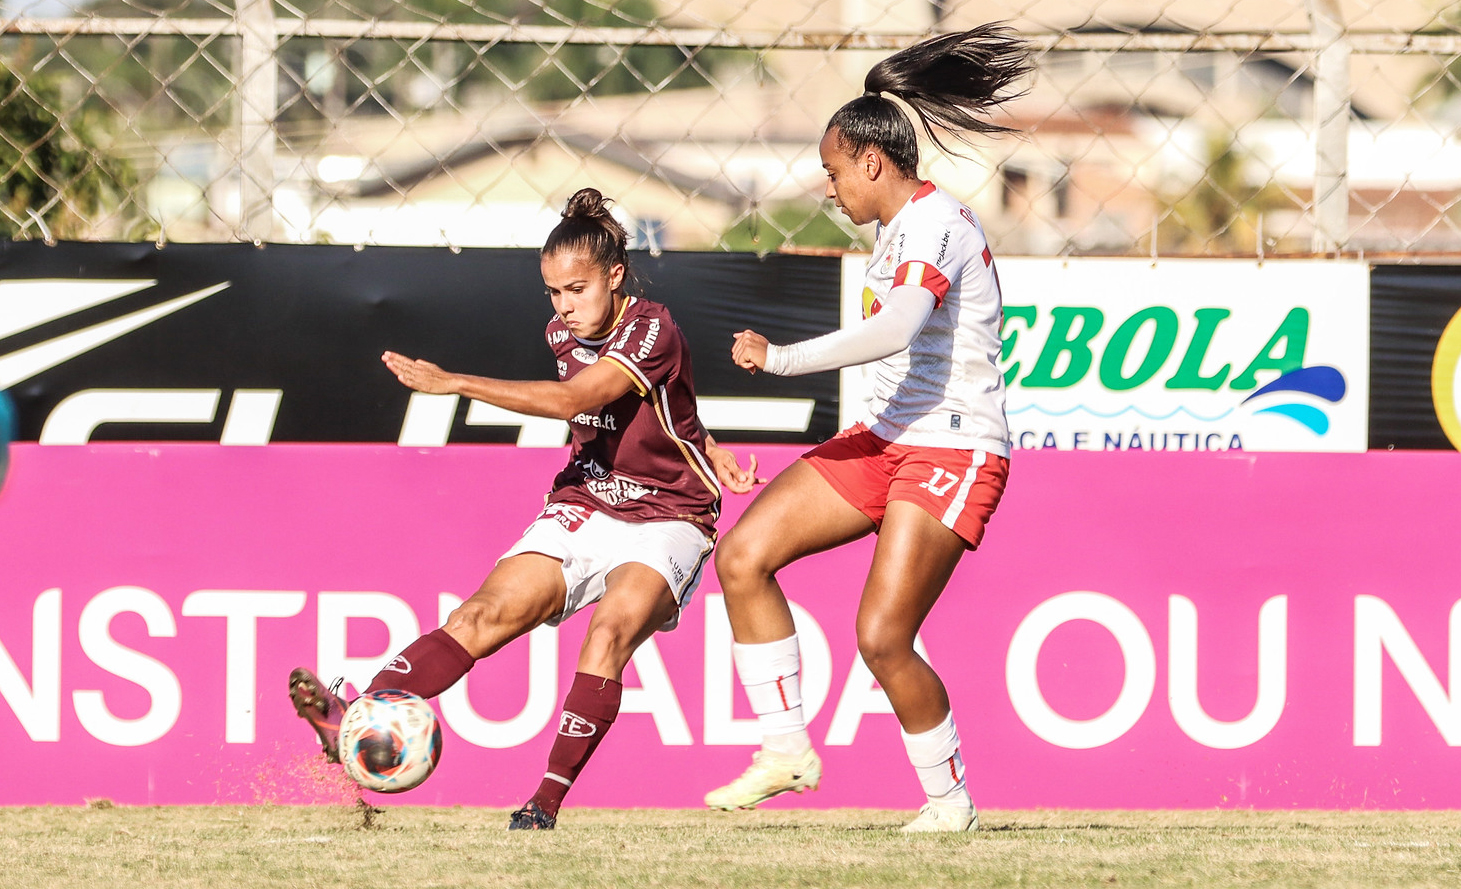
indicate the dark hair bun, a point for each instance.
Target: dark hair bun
{"x":586,"y":203}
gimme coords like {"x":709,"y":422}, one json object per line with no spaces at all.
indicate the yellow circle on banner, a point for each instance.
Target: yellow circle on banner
{"x":1444,"y":390}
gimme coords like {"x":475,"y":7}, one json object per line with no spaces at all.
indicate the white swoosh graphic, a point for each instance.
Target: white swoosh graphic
{"x":28,"y":303}
{"x":26,"y":363}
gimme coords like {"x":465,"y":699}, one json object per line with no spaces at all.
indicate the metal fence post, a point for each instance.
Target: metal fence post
{"x":258,"y":83}
{"x":1331,"y":125}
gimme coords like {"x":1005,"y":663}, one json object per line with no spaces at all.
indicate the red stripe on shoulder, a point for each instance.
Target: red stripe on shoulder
{"x":925,"y":275}
{"x":987,"y":257}
{"x":924,"y":190}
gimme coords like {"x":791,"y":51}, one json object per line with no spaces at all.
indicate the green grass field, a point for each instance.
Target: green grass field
{"x":103,"y":846}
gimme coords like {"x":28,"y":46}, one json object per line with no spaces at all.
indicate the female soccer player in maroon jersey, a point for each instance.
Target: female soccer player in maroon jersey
{"x":629,"y":522}
{"x":928,"y":466}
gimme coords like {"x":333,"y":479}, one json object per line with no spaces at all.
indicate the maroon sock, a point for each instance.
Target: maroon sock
{"x":588,"y":711}
{"x":428,"y":666}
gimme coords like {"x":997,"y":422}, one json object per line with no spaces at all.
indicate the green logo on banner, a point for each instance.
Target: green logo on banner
{"x":1067,"y":355}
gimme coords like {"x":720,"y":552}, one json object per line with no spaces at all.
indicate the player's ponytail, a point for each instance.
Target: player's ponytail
{"x":590,"y":229}
{"x":951,"y":82}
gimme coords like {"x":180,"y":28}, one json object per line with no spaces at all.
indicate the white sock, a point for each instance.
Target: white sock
{"x":935,"y":757}
{"x":770,"y":673}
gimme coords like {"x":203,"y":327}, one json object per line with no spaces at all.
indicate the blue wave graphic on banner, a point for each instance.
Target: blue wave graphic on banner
{"x":1310,"y":416}
{"x":1320,"y":381}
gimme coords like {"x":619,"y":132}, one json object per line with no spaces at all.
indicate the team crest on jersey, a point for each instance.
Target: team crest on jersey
{"x":593,"y":468}
{"x":886,"y":268}
{"x":584,"y":355}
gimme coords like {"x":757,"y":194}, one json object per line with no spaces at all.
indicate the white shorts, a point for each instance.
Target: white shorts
{"x":590,"y":544}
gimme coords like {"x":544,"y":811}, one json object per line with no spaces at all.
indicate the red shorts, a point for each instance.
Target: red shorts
{"x":960,"y":488}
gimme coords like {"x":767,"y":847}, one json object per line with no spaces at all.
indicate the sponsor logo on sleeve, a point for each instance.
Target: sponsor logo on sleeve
{"x":624,"y":337}
{"x":646,"y":345}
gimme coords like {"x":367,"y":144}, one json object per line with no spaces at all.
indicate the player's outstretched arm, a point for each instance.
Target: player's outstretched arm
{"x":589,"y":390}
{"x":888,"y":332}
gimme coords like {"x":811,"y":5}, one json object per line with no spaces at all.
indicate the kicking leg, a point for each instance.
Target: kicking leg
{"x":636,"y":602}
{"x":520,"y":593}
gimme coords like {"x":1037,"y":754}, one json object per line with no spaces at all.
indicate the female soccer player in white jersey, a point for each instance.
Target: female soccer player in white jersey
{"x":927,"y":468}
{"x":629,"y":522}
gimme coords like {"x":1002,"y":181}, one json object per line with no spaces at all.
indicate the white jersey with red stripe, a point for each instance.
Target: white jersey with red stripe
{"x":945,"y":390}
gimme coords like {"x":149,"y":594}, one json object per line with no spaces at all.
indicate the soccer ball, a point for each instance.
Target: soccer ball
{"x":390,"y":741}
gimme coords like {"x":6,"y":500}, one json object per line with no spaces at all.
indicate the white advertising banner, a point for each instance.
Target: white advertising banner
{"x":1174,"y":354}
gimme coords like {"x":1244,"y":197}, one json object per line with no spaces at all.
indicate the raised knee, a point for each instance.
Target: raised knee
{"x":608,"y":636}
{"x":882,"y":647}
{"x":739,"y":557}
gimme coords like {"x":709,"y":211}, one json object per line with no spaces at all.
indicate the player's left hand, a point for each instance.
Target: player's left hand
{"x":728,"y":470}
{"x":749,"y":351}
{"x":423,"y":376}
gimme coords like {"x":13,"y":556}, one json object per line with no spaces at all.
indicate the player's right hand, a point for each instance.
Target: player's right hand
{"x":423,"y":376}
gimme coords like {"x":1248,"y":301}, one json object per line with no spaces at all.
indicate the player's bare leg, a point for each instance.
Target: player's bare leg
{"x":912,"y":563}
{"x":520,"y":593}
{"x":914,"y":558}
{"x":637,"y":601}
{"x":798,"y":514}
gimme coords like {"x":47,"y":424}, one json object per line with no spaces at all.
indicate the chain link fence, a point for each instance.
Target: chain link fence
{"x":1211,"y":127}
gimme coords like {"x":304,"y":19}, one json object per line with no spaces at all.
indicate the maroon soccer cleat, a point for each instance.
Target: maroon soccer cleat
{"x":320,"y":706}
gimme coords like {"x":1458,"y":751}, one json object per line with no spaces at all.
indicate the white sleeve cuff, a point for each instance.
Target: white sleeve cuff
{"x":888,"y":332}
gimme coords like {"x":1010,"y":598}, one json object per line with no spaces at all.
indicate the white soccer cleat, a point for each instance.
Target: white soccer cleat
{"x":770,"y":774}
{"x":943,"y":818}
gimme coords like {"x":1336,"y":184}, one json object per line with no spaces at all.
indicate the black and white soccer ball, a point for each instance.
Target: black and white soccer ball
{"x":390,"y":741}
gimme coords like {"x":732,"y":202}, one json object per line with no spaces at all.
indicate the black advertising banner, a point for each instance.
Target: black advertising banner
{"x":282,"y":342}
{"x":1415,"y":343}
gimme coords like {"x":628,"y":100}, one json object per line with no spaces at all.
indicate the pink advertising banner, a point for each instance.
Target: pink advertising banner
{"x":1140,"y":630}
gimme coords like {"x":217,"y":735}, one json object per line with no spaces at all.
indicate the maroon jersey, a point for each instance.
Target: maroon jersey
{"x":640,"y":458}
